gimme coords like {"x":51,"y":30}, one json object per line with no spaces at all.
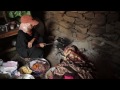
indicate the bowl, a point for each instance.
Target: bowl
{"x":39,"y":66}
{"x":26,"y":76}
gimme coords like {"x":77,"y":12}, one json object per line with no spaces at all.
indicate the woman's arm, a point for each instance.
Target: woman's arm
{"x":21,"y":39}
{"x":31,"y":42}
{"x":21,"y":44}
{"x":42,"y":45}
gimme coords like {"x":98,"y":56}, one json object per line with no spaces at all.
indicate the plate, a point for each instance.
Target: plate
{"x":39,"y":65}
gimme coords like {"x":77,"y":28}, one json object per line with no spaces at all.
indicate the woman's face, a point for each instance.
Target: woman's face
{"x":30,"y":26}
{"x":26,"y":27}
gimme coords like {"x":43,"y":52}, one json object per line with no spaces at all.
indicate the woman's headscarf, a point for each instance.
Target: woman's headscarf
{"x":27,"y":22}
{"x":28,"y":19}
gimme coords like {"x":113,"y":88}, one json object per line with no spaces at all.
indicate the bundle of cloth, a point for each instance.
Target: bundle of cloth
{"x":74,"y":66}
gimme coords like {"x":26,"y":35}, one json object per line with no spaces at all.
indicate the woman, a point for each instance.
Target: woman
{"x":35,"y":22}
{"x":29,"y":42}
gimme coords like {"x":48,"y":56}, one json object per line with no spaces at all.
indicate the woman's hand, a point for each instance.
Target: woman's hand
{"x":42,"y":45}
{"x":30,"y":44}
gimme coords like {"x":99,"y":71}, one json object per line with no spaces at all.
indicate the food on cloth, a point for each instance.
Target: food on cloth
{"x":25,"y":70}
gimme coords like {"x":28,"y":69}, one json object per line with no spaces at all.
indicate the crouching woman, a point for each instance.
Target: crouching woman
{"x":29,"y":44}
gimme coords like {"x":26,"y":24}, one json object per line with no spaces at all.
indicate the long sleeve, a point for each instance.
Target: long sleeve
{"x":22,"y":42}
{"x":36,"y":34}
{"x":40,"y":29}
{"x":22,"y":46}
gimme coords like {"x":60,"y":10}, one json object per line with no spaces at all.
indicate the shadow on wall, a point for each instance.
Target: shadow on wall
{"x":107,"y":60}
{"x":104,"y":65}
{"x":107,"y":63}
{"x":39,"y":14}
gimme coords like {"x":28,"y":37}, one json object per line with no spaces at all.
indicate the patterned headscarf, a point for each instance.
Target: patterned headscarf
{"x":28,"y":19}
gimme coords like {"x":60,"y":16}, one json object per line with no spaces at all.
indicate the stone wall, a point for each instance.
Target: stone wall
{"x":96,"y":32}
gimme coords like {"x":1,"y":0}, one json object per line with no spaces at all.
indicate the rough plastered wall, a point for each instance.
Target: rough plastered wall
{"x":96,"y":33}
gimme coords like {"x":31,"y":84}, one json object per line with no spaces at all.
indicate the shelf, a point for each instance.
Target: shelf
{"x":9,"y":33}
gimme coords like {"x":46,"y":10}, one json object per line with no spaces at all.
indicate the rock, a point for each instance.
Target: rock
{"x":110,"y":28}
{"x":96,"y":31}
{"x":82,"y":12}
{"x":69,"y":19}
{"x":117,"y":25}
{"x":80,"y":36}
{"x":55,"y":26}
{"x":74,"y":35}
{"x":73,"y":14}
{"x":117,"y":31}
{"x":85,"y":22}
{"x":99,"y":19}
{"x":118,"y":42}
{"x":113,"y":17}
{"x":58,"y":16}
{"x":117,"y":53}
{"x":73,"y":30}
{"x":65,"y":31}
{"x":52,"y":12}
{"x":111,"y":37}
{"x":55,"y":32}
{"x":89,"y":15}
{"x":74,"y":11}
{"x":102,"y":12}
{"x":65,"y":24}
{"x":61,"y":12}
{"x":112,"y":11}
{"x":81,"y":30}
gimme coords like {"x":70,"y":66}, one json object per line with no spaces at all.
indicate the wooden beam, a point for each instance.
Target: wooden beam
{"x":9,"y":33}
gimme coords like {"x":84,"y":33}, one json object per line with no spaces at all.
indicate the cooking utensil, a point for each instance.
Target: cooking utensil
{"x":60,"y":43}
{"x":49,"y":44}
{"x":52,"y":43}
